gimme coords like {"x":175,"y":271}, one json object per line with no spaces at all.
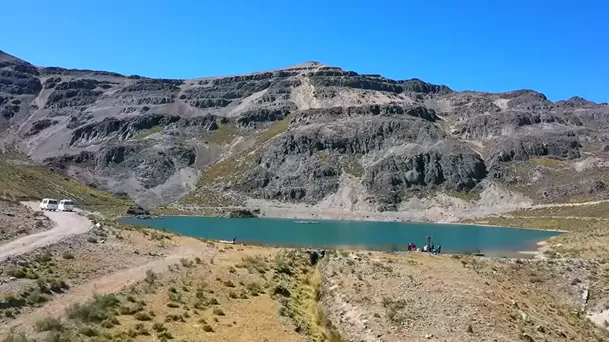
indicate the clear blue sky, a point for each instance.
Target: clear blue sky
{"x":558,"y":47}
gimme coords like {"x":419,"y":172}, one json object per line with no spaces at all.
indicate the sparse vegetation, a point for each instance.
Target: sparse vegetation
{"x":49,"y":324}
{"x":97,"y":310}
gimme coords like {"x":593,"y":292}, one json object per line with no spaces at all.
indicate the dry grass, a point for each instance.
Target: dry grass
{"x":547,"y":162}
{"x":225,"y":134}
{"x":453,"y":299}
{"x":143,"y":134}
{"x":20,"y":181}
{"x":194,"y":299}
{"x":353,"y":167}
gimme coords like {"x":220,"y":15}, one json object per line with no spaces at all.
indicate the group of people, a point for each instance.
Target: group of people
{"x":428,"y":248}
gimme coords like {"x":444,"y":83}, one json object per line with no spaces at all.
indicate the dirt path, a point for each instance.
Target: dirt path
{"x":112,"y":283}
{"x":558,"y":205}
{"x":65,"y":224}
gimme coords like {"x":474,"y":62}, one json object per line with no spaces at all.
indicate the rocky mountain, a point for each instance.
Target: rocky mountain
{"x":300,"y":134}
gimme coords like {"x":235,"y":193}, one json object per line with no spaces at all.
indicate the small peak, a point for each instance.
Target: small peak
{"x":306,"y":65}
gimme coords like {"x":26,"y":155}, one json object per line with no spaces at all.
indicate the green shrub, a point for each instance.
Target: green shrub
{"x":68,"y":255}
{"x":254,"y":288}
{"x":42,"y":285}
{"x":49,"y":324}
{"x":158,"y":327}
{"x":17,"y":272}
{"x":57,"y":285}
{"x":150,"y":277}
{"x":88,"y":331}
{"x":15,"y":337}
{"x":186,"y":263}
{"x":96,"y":310}
{"x":36,"y":297}
{"x":142,"y":316}
{"x":44,"y":258}
{"x":130,"y":309}
{"x":254,"y":264}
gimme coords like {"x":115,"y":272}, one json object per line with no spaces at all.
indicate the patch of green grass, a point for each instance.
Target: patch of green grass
{"x":148,"y":132}
{"x":547,"y":162}
{"x":224,"y":134}
{"x":353,"y":167}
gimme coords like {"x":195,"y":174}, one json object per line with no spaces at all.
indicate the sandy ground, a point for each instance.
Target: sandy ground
{"x":65,"y":224}
{"x":418,"y":297}
{"x":111,"y":283}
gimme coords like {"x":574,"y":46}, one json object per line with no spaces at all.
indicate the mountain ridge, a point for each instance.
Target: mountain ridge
{"x":298,"y":135}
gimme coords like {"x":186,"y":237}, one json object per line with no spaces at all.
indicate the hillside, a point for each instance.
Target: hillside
{"x":309,"y":134}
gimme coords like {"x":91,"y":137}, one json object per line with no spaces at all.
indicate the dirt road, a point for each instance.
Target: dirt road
{"x":64,"y":224}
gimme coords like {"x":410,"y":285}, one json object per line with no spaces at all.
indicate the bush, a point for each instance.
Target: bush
{"x":150,"y":277}
{"x":207,"y":328}
{"x":254,"y":288}
{"x":232,"y":295}
{"x":96,"y":310}
{"x":36,"y":297}
{"x":165,"y":335}
{"x":142,"y":316}
{"x":218,"y":312}
{"x":49,"y":324}
{"x":42,"y":285}
{"x":68,"y":255}
{"x":186,"y":263}
{"x":254,"y":264}
{"x":88,"y":331}
{"x":15,"y":337}
{"x":173,"y":305}
{"x":17,"y":272}
{"x":91,"y":239}
{"x":57,"y":285}
{"x":229,"y":283}
{"x":158,"y":327}
{"x":110,"y":322}
{"x":130,"y":309}
{"x":44,"y":258}
{"x":141,"y":329}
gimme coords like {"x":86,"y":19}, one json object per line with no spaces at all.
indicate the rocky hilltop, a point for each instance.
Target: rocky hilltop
{"x":309,"y":133}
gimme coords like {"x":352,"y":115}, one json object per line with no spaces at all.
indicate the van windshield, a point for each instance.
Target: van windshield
{"x":52,"y":202}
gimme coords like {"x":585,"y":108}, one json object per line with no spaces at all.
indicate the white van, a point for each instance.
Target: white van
{"x":66,"y":205}
{"x":48,"y":204}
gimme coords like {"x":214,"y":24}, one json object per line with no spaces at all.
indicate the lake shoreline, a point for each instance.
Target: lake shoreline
{"x":357,"y":217}
{"x":357,"y":234}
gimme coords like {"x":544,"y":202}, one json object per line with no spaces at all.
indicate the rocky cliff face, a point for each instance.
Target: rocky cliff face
{"x":292,"y":134}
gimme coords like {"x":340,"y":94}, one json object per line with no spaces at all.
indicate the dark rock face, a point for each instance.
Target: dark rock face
{"x":241,"y":213}
{"x":299,"y":132}
{"x":39,"y":125}
{"x":137,"y":211}
{"x":458,"y":170}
